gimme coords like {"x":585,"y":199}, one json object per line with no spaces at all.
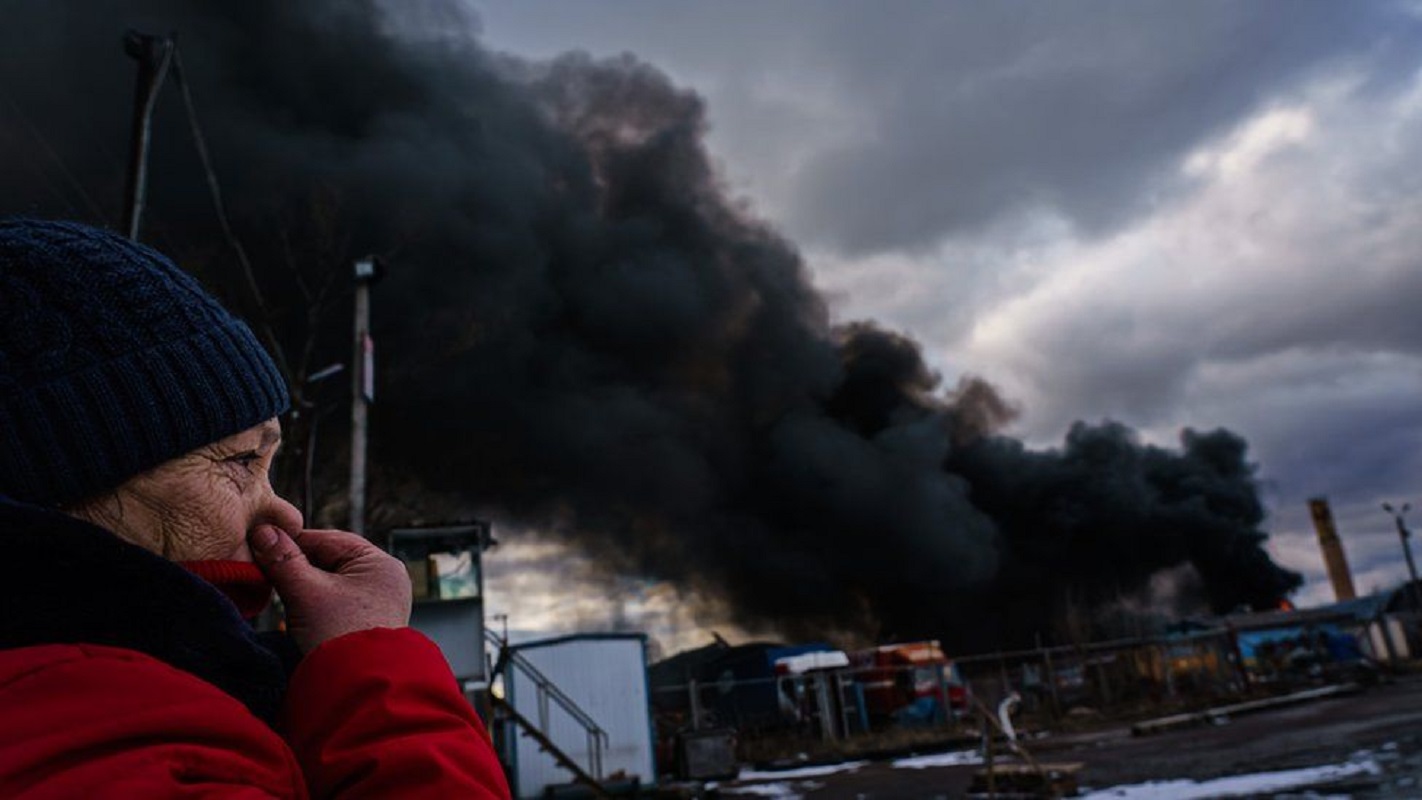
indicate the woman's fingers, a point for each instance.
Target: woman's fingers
{"x":279,"y":558}
{"x":332,"y":583}
{"x":331,"y":550}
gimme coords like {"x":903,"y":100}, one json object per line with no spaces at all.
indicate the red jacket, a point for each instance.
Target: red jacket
{"x":92,"y":703}
{"x":373,"y":714}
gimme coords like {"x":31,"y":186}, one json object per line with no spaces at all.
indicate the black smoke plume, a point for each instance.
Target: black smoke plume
{"x":582,"y":334}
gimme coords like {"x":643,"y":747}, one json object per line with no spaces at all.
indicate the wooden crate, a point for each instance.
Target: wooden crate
{"x":1012,"y":780}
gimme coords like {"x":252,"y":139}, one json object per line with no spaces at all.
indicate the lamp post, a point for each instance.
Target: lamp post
{"x":367,"y":271}
{"x":1404,"y":534}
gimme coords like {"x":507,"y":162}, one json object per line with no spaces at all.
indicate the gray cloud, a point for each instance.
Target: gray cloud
{"x":1078,"y":107}
{"x":877,"y":127}
{"x":1295,"y":240}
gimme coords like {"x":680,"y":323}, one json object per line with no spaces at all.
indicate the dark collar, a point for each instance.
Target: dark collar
{"x":66,"y":581}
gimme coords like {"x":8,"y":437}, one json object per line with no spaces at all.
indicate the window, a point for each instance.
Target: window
{"x":443,"y":563}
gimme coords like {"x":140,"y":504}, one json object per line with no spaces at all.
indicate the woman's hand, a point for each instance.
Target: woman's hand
{"x":332,"y":583}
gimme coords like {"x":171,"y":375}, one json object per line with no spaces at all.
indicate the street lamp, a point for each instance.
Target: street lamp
{"x":1404,"y":534}
{"x":367,"y":271}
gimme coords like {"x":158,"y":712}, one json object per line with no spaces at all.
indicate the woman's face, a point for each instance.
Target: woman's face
{"x":200,"y":506}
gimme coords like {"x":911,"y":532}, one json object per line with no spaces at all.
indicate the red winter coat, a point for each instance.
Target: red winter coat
{"x":372,"y":714}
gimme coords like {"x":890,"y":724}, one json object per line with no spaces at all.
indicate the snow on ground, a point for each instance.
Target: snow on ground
{"x":1239,"y":785}
{"x":956,"y":758}
{"x":786,"y":784}
{"x":781,"y":791}
{"x":802,"y":772}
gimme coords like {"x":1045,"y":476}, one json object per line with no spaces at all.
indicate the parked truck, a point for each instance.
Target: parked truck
{"x":909,"y":683}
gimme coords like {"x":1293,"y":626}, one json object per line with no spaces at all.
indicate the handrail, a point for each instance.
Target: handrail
{"x":597,"y":737}
{"x":563,"y":759}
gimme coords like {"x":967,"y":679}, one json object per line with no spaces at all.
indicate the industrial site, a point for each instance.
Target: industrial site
{"x":840,"y":401}
{"x":1249,"y":704}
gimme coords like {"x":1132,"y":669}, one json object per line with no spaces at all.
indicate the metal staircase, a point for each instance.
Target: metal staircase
{"x":548,"y":695}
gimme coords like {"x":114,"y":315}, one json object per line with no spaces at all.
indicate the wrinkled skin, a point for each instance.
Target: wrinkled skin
{"x":201,"y":505}
{"x":333,"y":583}
{"x":217,"y":503}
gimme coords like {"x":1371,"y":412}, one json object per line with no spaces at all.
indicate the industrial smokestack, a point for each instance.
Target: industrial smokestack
{"x":1332,"y":547}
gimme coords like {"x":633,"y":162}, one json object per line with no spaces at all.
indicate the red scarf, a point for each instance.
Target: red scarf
{"x":242,"y":582}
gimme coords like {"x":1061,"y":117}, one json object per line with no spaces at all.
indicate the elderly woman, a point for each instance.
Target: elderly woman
{"x":138,"y":422}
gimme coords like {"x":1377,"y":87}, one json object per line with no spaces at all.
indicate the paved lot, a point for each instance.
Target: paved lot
{"x":1386,"y":721}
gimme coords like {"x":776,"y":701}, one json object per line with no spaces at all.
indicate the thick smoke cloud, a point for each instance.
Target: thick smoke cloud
{"x":877,"y":132}
{"x":581,"y":333}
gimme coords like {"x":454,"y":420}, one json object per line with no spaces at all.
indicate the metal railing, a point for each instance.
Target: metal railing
{"x":546,"y":692}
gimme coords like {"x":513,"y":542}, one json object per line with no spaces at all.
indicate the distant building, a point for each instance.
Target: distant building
{"x":727,"y":686}
{"x":1382,"y":626}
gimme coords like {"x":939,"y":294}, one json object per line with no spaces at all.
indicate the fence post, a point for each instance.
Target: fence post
{"x":988,"y":757}
{"x":1388,"y":643}
{"x":827,"y":726}
{"x":1051,"y":675}
{"x":1238,"y":656}
{"x":1167,"y":670}
{"x":944,"y":714}
{"x":1002,"y":673}
{"x":843,"y":715}
{"x":695,"y":695}
{"x":1104,"y":681}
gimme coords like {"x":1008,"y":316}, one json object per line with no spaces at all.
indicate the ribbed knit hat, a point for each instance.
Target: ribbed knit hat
{"x":112,"y":361}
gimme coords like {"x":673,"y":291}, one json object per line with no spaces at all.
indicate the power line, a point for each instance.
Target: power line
{"x":58,"y":160}
{"x":215,"y":190}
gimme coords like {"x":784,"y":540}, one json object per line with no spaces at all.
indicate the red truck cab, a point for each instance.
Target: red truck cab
{"x":894,"y":676}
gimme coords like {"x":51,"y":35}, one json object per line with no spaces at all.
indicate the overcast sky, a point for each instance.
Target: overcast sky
{"x":1170,"y":214}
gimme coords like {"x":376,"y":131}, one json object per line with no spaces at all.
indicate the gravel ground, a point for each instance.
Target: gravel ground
{"x":1378,"y":730}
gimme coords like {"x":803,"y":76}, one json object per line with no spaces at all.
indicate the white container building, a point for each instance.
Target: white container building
{"x":605,"y":675}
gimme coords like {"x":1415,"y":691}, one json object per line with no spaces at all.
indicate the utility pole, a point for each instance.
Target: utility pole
{"x":154,"y":54}
{"x":368,"y":270}
{"x":1404,"y":534}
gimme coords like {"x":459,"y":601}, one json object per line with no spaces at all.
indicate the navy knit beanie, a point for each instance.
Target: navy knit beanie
{"x":112,"y":361}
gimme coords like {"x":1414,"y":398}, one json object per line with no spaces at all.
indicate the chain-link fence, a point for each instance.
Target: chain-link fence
{"x":828,"y":704}
{"x":1105,"y":677}
{"x":1128,"y":678}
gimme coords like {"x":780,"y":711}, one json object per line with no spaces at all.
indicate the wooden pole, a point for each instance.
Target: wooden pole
{"x":360,"y":401}
{"x":154,"y":54}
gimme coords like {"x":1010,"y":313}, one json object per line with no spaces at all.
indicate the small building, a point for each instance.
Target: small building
{"x":446,"y":578}
{"x":1380,"y":627}
{"x":602,"y":676}
{"x":728,"y":686}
